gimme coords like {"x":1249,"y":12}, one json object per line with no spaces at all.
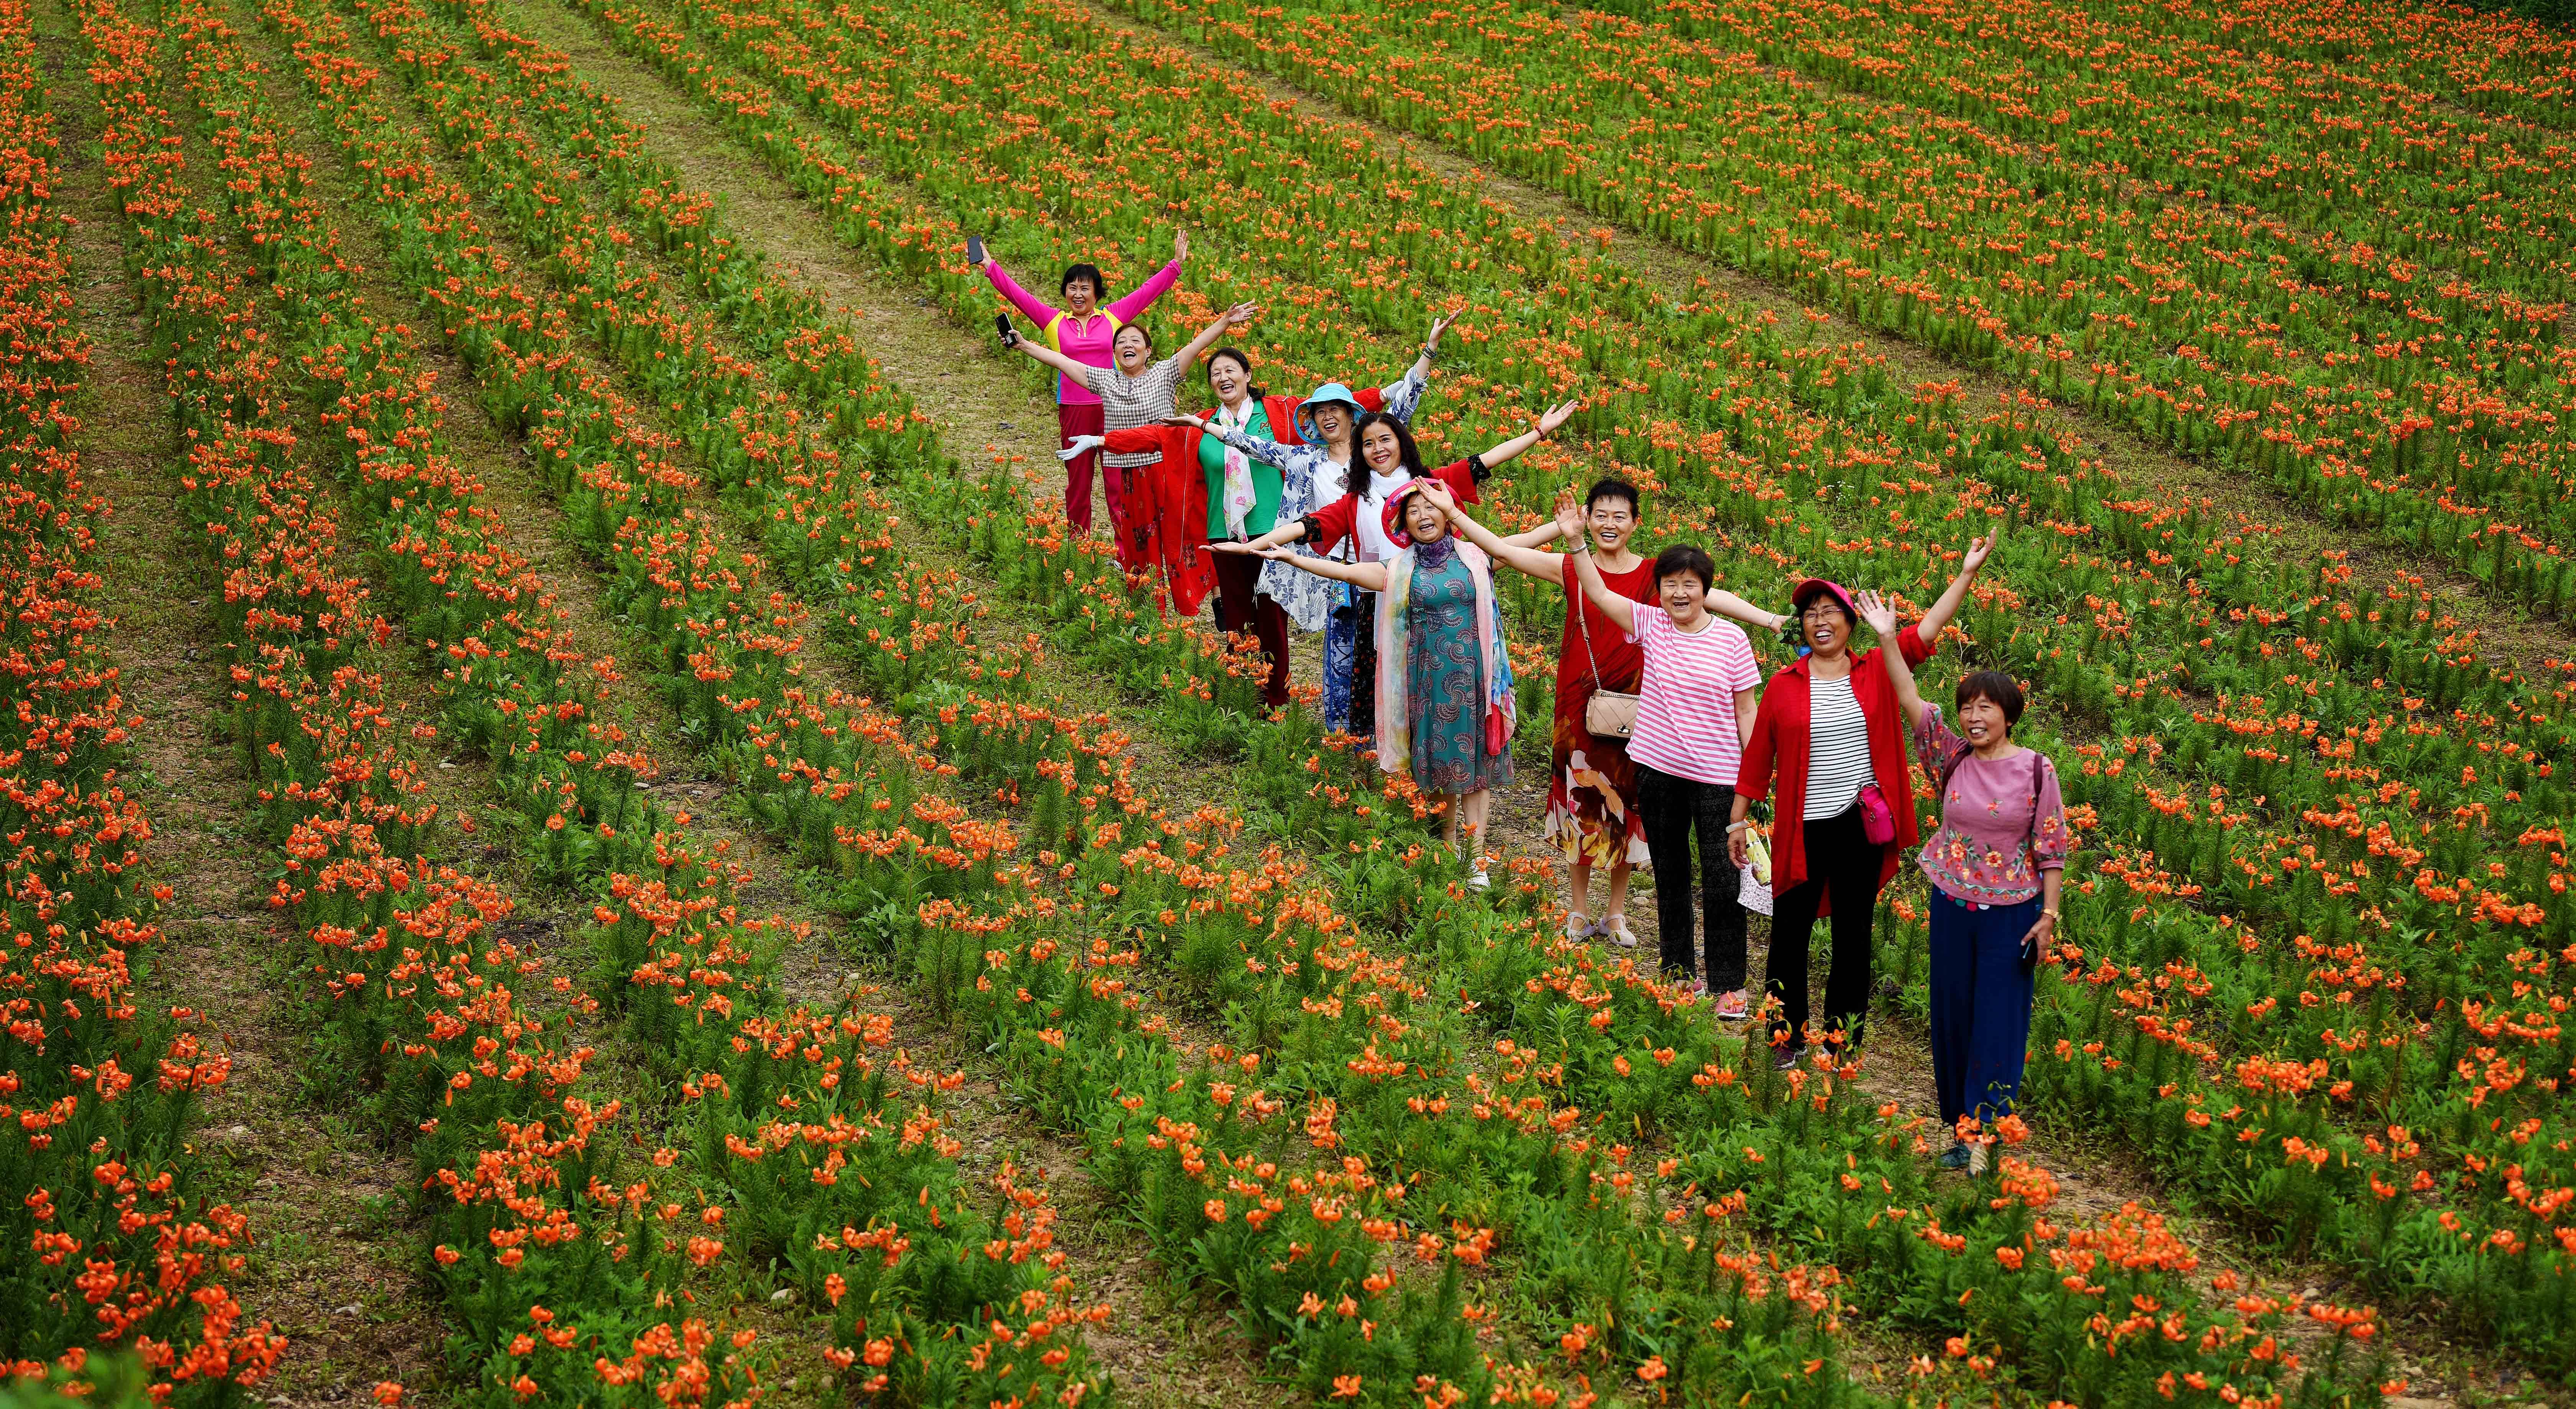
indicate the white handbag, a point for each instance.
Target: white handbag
{"x":1609,"y":714}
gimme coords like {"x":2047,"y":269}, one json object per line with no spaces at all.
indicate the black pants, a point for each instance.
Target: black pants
{"x":1364,"y":666}
{"x":1840,"y":861}
{"x":1671,"y":808}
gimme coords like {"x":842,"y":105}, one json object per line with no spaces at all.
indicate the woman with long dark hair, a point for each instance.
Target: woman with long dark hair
{"x":1388,"y":460}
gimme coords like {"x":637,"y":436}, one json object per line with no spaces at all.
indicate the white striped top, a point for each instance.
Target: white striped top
{"x":1837,"y":748}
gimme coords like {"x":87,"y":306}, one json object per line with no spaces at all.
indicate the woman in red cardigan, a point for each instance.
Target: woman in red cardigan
{"x":1830,"y":731}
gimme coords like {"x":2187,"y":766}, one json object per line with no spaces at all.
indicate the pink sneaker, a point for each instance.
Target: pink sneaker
{"x":1733,"y":1006}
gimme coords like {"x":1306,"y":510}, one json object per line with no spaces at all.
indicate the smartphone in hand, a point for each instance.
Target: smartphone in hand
{"x":1010,"y":335}
{"x":975,"y":250}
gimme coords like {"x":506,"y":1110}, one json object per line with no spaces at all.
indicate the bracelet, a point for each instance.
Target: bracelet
{"x":2048,"y":915}
{"x":1739,"y":825}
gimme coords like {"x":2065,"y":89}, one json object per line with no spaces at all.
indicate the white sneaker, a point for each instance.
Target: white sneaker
{"x":1616,"y":927}
{"x":1579,"y":926}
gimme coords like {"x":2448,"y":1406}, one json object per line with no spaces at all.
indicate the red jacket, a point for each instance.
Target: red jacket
{"x":1780,"y":744}
{"x":1334,"y":521}
{"x":1176,"y":491}
{"x":1164,"y":495}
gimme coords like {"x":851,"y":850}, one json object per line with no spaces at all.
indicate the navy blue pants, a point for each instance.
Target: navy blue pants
{"x":1980,"y":1005}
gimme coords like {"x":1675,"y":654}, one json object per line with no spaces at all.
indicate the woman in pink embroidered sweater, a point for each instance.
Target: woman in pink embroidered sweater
{"x":1085,"y":331}
{"x":1997,"y":867}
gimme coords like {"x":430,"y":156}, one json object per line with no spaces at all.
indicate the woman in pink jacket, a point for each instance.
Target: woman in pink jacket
{"x":1085,"y":331}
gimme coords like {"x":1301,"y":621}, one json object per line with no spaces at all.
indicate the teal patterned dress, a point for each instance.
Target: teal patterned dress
{"x":1445,"y":684}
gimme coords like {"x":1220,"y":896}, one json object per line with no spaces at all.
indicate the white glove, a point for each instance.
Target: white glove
{"x":1081,"y":445}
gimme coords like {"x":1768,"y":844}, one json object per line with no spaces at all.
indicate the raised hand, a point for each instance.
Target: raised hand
{"x":1569,"y":518}
{"x":1180,"y":244}
{"x":1241,"y":314}
{"x":1876,"y":610}
{"x":1438,"y":494}
{"x":1558,"y":415}
{"x":1439,"y":325}
{"x":1979,"y":549}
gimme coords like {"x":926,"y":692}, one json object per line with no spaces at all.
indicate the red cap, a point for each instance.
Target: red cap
{"x":1815,"y":587}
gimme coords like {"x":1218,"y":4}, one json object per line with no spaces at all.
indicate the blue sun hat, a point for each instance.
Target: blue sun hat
{"x":1324,"y":395}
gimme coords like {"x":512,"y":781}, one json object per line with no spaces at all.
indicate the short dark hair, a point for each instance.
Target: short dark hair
{"x":1613,"y":487}
{"x":1686,"y":557}
{"x":1255,"y":392}
{"x":1992,"y":685}
{"x":1357,"y":473}
{"x":1099,"y":286}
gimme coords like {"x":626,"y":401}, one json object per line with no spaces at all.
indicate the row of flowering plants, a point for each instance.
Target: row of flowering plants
{"x":1614,"y":1068}
{"x":571,"y":1265}
{"x":112,"y":1247}
{"x":2424,"y":409}
{"x":2390,"y":658}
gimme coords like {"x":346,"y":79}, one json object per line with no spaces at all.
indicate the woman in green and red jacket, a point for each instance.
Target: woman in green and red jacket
{"x":1829,"y":732}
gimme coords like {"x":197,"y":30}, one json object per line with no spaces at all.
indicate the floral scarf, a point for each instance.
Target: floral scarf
{"x":1394,"y":720}
{"x":1236,"y":499}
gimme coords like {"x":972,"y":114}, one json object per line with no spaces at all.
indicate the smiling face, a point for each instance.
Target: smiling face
{"x":1134,"y":350}
{"x":1080,"y":295}
{"x":1380,"y":448}
{"x":1424,"y":520}
{"x":1611,"y":521}
{"x":1827,"y":630}
{"x":1229,"y":379}
{"x":1982,"y":722}
{"x":1332,"y":420}
{"x":1684,"y":596}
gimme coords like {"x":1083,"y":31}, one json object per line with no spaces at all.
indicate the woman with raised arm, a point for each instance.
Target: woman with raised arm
{"x":1235,"y":497}
{"x":1695,"y":708}
{"x":1082,"y":330}
{"x":1830,"y":737}
{"x":1997,"y":867}
{"x":1390,"y":460}
{"x":1594,"y":811}
{"x":1444,"y":683}
{"x":1137,"y":391}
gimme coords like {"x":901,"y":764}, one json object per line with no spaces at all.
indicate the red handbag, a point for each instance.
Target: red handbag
{"x":1877,"y":821}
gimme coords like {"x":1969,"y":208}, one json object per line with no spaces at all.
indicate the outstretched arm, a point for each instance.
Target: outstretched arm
{"x":1937,"y":620}
{"x":1029,"y":304}
{"x":1621,"y":611}
{"x":1076,"y":372}
{"x":1881,"y":616}
{"x":1368,"y":577}
{"x":1269,"y":452}
{"x":1735,"y":608}
{"x":1547,"y":567}
{"x":1547,"y":422}
{"x":1539,"y":537}
{"x":1234,"y":317}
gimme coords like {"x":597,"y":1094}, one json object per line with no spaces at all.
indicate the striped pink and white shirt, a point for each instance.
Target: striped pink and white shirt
{"x":1686,"y":707}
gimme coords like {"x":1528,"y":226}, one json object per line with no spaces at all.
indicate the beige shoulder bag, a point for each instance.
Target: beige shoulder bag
{"x":1608,"y":714}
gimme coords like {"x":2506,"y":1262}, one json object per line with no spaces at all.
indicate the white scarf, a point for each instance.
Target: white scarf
{"x":1238,"y":498}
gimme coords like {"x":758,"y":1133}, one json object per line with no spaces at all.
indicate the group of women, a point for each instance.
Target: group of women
{"x":1319,"y":511}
